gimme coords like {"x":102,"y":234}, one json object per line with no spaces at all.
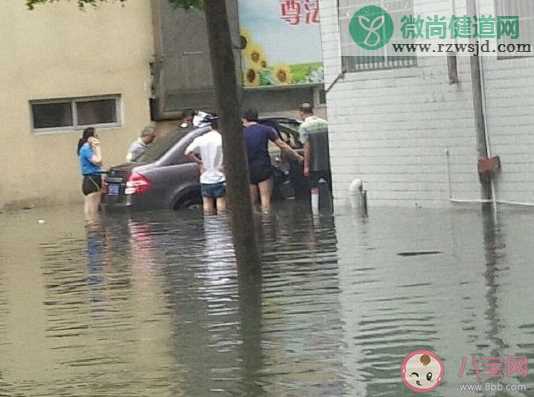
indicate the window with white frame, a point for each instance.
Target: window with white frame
{"x":356,"y":60}
{"x":75,"y":113}
{"x":524,"y":10}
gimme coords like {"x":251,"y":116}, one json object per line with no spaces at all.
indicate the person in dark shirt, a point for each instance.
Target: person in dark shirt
{"x":257,"y":137}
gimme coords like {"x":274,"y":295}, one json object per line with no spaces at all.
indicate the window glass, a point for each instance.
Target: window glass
{"x":101,"y":111}
{"x":75,"y":113}
{"x":50,"y":115}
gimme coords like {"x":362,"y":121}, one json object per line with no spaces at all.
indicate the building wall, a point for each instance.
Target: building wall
{"x":509,"y":84}
{"x":392,"y":128}
{"x":57,"y":51}
{"x":183,"y":69}
{"x":283,"y":102}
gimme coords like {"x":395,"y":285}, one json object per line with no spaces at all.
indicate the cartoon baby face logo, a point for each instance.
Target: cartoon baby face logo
{"x":422,"y":371}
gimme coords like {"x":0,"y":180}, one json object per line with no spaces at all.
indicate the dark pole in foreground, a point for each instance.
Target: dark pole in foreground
{"x":478,"y":106}
{"x":235,"y":161}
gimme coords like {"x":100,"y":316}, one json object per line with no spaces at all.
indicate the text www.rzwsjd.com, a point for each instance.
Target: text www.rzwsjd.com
{"x":475,"y":48}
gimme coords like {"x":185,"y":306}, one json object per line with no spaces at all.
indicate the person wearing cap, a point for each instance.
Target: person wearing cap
{"x":206,"y":151}
{"x":140,"y":145}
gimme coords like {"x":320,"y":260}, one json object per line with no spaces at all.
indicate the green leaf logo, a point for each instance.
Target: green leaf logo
{"x":371,"y":27}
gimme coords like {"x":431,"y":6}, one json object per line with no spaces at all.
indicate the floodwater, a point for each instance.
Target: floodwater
{"x":151,"y":304}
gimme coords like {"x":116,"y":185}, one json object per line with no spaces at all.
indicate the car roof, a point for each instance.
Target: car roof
{"x":288,"y":120}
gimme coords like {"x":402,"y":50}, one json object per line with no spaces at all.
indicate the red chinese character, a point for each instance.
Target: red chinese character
{"x":463,"y":364}
{"x":517,"y":366}
{"x":291,"y":11}
{"x":475,"y":364}
{"x":311,"y":8}
{"x":493,"y":366}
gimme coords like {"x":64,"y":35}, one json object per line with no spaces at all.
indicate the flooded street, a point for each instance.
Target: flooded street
{"x":151,"y":304}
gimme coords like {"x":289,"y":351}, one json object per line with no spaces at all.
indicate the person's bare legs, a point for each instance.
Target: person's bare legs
{"x":208,"y":204}
{"x":253,"y":194}
{"x":221,"y":205}
{"x":266,"y":192}
{"x":86,"y":207}
{"x":91,"y":204}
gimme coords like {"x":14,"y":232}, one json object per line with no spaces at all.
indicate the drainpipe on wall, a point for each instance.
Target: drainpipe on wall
{"x":479,"y":113}
{"x":452,"y":58}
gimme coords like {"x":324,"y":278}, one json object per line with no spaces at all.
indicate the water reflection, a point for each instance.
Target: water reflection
{"x":495,"y":263}
{"x":153,"y":304}
{"x":507,"y":273}
{"x":98,"y":258}
{"x":302,"y":324}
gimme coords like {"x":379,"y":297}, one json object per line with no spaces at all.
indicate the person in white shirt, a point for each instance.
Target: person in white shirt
{"x":206,"y":151}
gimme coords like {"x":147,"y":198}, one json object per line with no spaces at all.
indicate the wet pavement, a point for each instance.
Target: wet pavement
{"x":151,"y":304}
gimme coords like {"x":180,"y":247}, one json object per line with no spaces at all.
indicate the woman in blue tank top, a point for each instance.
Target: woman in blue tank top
{"x":90,"y":155}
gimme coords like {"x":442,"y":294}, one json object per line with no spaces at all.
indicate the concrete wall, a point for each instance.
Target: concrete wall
{"x":391,"y":127}
{"x":183,"y":70}
{"x":282,"y":101}
{"x":57,"y":51}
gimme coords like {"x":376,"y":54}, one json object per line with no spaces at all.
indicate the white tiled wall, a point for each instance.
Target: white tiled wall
{"x":391,"y":128}
{"x":509,"y":89}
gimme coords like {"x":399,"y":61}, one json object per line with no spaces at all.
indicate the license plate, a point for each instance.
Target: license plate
{"x":113,"y":190}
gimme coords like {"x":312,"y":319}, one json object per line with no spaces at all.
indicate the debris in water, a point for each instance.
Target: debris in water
{"x":417,"y":253}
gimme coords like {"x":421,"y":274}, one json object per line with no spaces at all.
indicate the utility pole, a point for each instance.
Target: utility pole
{"x":235,"y":160}
{"x":478,"y":107}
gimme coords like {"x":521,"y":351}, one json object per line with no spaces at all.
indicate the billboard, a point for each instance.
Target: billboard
{"x":281,"y":42}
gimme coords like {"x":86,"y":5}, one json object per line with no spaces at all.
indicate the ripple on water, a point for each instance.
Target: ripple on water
{"x":153,"y":304}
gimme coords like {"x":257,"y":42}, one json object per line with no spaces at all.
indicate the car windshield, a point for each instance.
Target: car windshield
{"x":162,"y":145}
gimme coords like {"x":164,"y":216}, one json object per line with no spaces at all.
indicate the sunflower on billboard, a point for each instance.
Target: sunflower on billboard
{"x":282,"y":74}
{"x":269,"y":57}
{"x":252,"y":77}
{"x":255,"y":55}
{"x":246,"y":39}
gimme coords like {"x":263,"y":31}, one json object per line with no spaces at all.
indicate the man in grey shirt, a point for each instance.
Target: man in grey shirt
{"x":138,"y":147}
{"x":314,"y":135}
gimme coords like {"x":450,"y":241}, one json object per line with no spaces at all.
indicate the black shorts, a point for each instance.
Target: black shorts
{"x":259,"y":174}
{"x":91,"y":184}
